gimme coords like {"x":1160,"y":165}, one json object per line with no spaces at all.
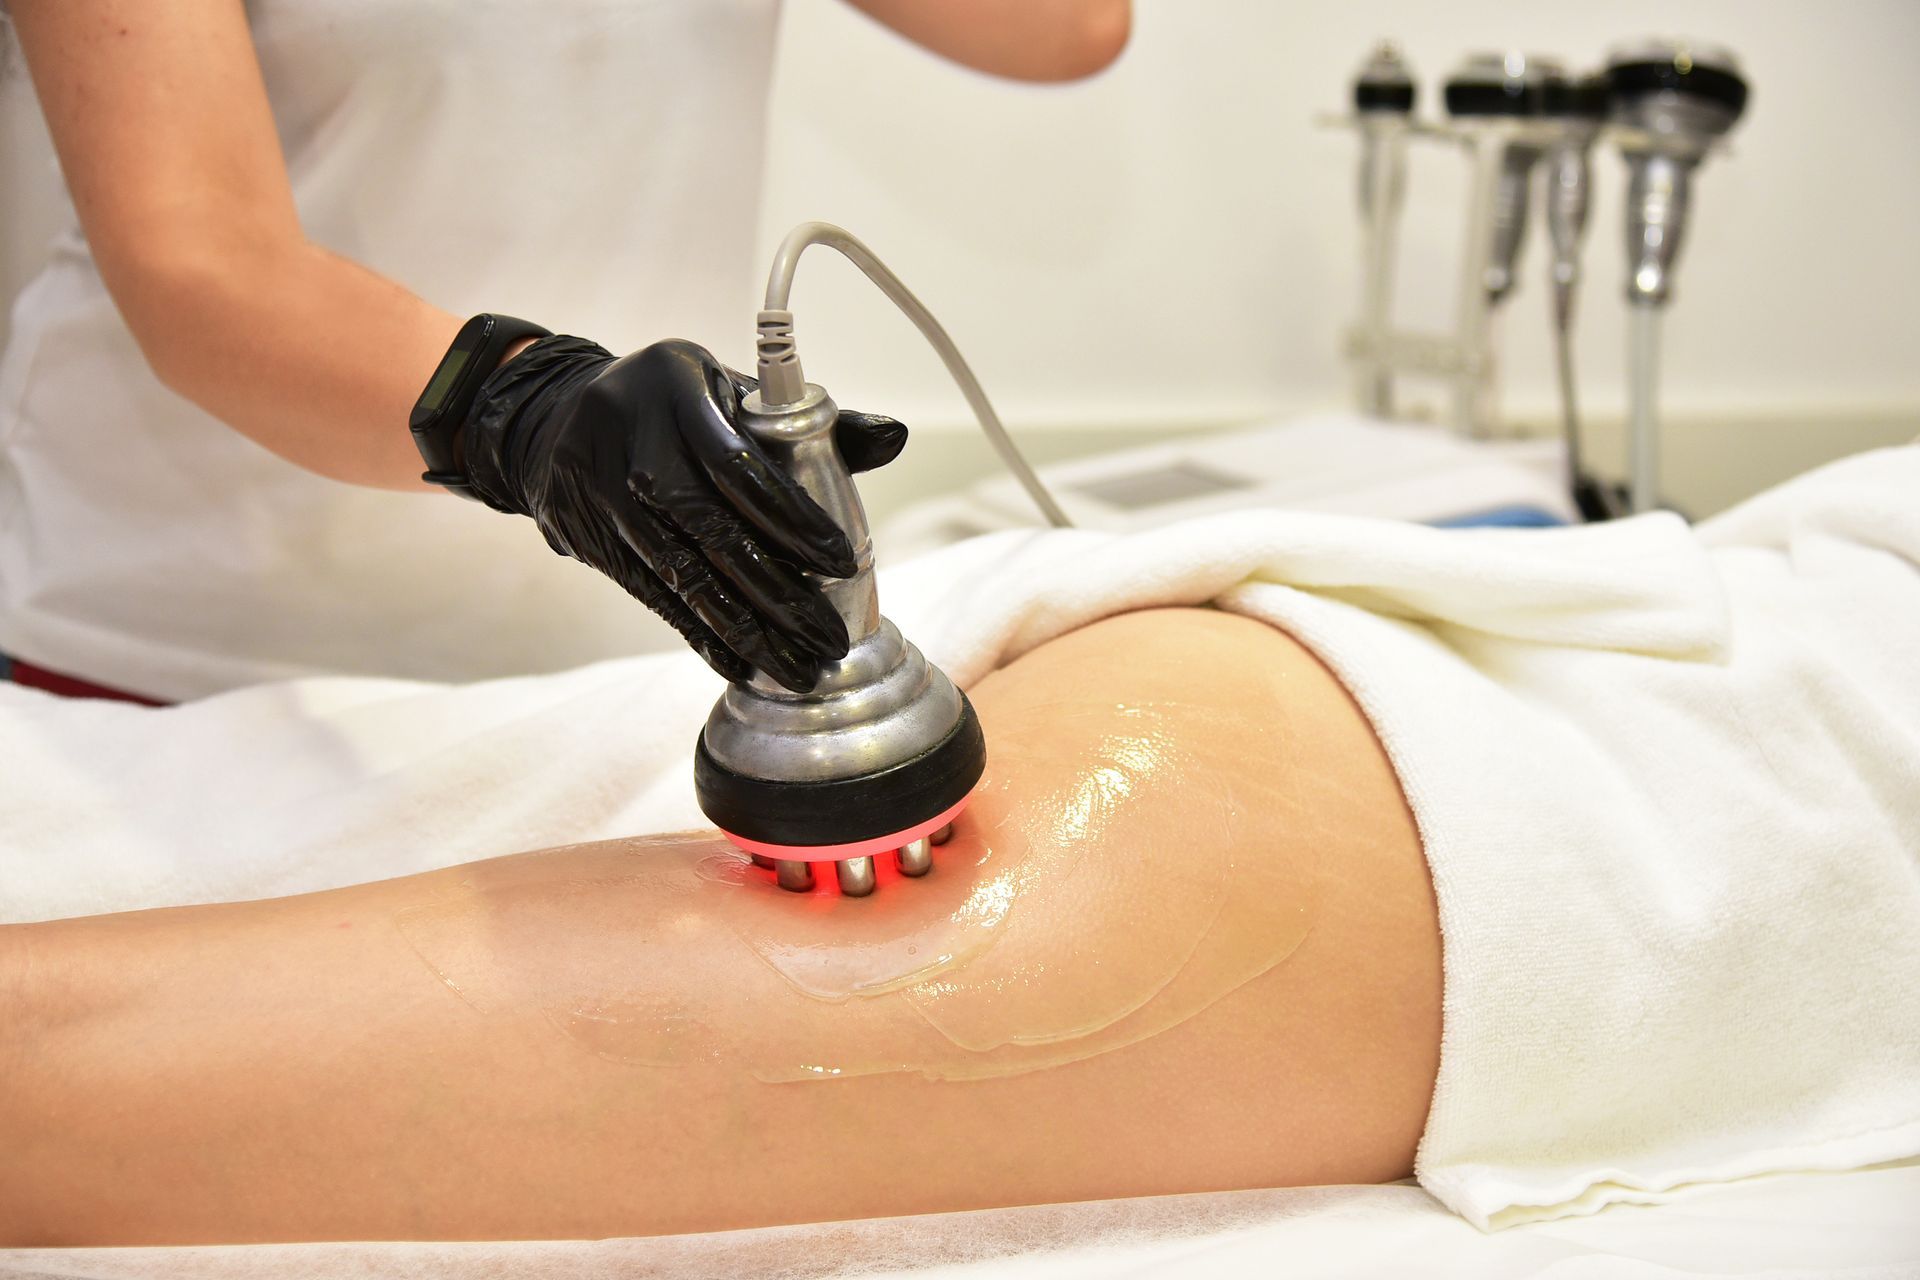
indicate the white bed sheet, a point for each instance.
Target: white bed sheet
{"x":112,"y":830}
{"x":1861,"y":1225}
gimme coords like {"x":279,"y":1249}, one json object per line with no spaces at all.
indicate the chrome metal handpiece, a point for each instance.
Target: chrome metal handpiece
{"x":1676,"y":100}
{"x":1575,"y":108}
{"x":1671,"y":101}
{"x":881,"y":751}
{"x":1490,"y":89}
{"x":1383,"y":96}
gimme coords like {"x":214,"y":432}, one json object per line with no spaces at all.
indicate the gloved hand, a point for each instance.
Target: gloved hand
{"x":636,"y":466}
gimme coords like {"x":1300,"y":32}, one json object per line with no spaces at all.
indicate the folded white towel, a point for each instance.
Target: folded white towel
{"x":1668,"y":782}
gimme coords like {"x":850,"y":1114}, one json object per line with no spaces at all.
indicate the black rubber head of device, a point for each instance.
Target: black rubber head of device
{"x":1384,"y":85}
{"x":845,"y":810}
{"x":1487,"y":91}
{"x":1702,"y":80}
{"x":1584,"y":97}
{"x":1383,"y":95}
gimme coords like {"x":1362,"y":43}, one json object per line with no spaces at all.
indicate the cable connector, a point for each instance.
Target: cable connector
{"x":781,"y":380}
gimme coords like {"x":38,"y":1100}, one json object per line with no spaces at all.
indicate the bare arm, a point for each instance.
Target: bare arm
{"x":168,"y":145}
{"x":1020,"y":39}
{"x":164,"y":132}
{"x":619,"y":1039}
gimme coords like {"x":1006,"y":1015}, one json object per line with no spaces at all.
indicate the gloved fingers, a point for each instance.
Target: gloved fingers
{"x":600,"y":547}
{"x":641,"y":583}
{"x":777,"y":591}
{"x":766,"y":496}
{"x":868,"y":440}
{"x":742,"y":383}
{"x":592,"y":539}
{"x":679,"y":564}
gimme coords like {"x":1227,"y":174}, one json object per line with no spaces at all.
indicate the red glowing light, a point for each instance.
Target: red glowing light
{"x":858,"y":849}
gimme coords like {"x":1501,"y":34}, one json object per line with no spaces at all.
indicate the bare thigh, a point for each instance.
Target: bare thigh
{"x":1204,"y":956}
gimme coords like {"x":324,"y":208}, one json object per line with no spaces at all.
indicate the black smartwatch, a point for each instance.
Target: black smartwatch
{"x":443,"y":407}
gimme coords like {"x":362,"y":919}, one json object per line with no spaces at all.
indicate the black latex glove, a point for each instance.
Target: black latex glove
{"x":636,"y":466}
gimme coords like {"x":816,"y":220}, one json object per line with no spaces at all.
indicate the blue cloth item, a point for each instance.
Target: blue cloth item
{"x":1517,"y":517}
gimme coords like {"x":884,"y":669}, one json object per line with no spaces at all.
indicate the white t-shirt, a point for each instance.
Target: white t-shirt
{"x":593,"y":165}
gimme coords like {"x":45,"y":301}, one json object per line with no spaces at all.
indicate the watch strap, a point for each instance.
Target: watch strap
{"x":443,"y":407}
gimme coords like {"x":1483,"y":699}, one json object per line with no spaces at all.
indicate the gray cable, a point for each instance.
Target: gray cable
{"x":1569,"y":406}
{"x":1643,"y":375}
{"x":781,"y":381}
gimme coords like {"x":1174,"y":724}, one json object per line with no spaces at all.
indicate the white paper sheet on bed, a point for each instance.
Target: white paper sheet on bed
{"x":1863,"y":1225}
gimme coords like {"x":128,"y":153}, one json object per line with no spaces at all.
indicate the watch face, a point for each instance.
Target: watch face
{"x":448,"y":375}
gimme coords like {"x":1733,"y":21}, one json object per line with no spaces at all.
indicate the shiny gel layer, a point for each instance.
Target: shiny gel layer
{"x":1128,"y":861}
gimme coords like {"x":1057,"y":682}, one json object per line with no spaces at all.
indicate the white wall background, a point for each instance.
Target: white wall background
{"x":1176,"y":242}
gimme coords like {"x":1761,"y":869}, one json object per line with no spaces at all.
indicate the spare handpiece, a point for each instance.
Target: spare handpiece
{"x":1576,"y":107}
{"x":1490,"y":88}
{"x":1674,"y":101}
{"x":883,"y":753}
{"x":1382,"y":104}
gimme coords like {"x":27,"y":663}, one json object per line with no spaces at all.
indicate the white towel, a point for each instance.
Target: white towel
{"x":1668,"y":781}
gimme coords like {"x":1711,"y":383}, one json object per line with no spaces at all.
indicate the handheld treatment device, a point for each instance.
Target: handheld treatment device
{"x":1383,"y":96}
{"x":1577,"y":107}
{"x":1487,"y":90}
{"x":1675,"y":100}
{"x":1671,"y":102}
{"x":882,"y":754}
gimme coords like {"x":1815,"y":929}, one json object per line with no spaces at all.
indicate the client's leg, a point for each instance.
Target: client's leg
{"x":1184,"y":940}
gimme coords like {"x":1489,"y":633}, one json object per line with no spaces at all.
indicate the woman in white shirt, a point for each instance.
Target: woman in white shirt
{"x":273,"y":203}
